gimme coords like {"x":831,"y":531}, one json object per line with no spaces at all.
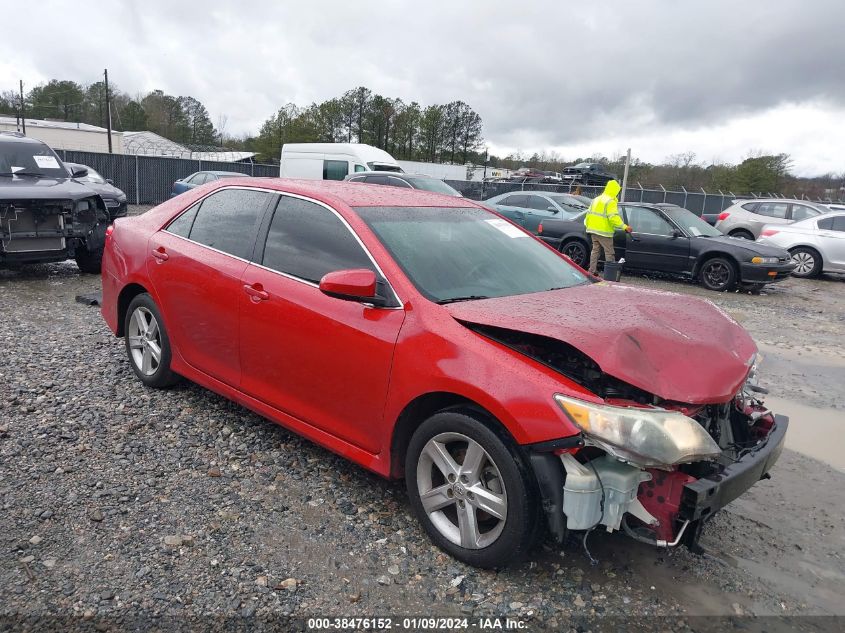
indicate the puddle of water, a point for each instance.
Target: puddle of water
{"x":813,"y":431}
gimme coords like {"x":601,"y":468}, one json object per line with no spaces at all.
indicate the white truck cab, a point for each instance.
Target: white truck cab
{"x":333,"y":161}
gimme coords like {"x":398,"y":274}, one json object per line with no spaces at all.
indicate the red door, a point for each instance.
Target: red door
{"x":198,"y":289}
{"x":323,"y":360}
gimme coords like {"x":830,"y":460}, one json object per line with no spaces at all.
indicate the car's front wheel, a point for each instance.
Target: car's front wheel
{"x":718,"y":274}
{"x":147,"y":343}
{"x":471,"y":491}
{"x":807,"y":262}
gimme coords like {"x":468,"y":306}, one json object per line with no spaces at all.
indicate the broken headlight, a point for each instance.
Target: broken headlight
{"x":643,"y":437}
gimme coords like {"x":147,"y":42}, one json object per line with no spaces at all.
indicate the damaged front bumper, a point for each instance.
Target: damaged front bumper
{"x":666,"y":508}
{"x":703,"y":497}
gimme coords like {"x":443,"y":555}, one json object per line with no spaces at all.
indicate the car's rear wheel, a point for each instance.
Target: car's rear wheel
{"x":471,"y":491}
{"x":718,"y":274}
{"x":147,"y":343}
{"x":743,"y":234}
{"x":808,"y":263}
{"x":90,"y":261}
{"x":576,"y":251}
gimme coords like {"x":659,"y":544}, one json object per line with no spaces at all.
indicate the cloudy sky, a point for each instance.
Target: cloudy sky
{"x":720,"y":78}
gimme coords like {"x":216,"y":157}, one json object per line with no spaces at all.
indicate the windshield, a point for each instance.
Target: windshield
{"x":691,"y":223}
{"x":30,"y":158}
{"x":467,"y":253}
{"x":570,"y":203}
{"x":433,"y":184}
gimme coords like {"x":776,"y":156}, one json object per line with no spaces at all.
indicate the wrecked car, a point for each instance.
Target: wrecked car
{"x":427,"y":338}
{"x":46,"y":216}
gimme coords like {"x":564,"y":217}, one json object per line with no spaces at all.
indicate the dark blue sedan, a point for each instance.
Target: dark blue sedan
{"x":200,"y":178}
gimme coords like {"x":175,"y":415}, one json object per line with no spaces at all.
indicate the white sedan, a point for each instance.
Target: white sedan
{"x":817,"y":244}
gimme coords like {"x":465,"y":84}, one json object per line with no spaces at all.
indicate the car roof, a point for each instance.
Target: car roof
{"x":352,"y":194}
{"x":397,"y":174}
{"x":216,"y":172}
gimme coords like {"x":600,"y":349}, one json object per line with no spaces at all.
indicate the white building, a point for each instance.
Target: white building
{"x":66,"y":135}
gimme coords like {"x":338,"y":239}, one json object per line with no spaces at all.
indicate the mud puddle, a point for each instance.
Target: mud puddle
{"x":813,"y":431}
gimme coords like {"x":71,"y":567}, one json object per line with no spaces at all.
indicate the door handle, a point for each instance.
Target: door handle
{"x":256,"y":292}
{"x":160,"y":254}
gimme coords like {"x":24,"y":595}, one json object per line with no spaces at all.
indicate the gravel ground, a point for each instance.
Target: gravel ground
{"x":120,"y":501}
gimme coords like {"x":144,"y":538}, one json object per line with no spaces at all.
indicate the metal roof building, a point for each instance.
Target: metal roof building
{"x":66,"y":135}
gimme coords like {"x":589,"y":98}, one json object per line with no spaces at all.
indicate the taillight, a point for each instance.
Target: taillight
{"x":540,"y":229}
{"x":769,"y":232}
{"x":724,"y":215}
{"x":109,"y":231}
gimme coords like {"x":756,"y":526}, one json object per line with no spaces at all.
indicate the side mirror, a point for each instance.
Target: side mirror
{"x":352,"y":285}
{"x":79,"y":173}
{"x":676,"y":233}
{"x":109,"y":181}
{"x":552,"y":209}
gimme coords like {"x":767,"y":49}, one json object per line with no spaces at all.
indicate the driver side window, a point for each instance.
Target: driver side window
{"x":644,"y":220}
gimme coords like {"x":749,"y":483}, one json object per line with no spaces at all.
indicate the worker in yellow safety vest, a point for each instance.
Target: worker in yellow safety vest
{"x":601,"y":221}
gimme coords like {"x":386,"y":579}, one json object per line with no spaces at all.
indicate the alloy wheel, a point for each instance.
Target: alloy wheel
{"x":145,"y":341}
{"x":717,"y":274}
{"x":575,"y":252}
{"x":805,"y":262}
{"x":462,"y":490}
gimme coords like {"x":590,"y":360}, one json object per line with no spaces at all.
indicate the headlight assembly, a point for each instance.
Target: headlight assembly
{"x":764,"y":260}
{"x":643,"y":437}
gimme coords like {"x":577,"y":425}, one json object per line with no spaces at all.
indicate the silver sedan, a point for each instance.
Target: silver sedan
{"x":817,"y":244}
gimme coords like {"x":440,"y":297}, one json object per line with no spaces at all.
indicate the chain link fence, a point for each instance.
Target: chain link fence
{"x":698,"y":203}
{"x":149,"y":179}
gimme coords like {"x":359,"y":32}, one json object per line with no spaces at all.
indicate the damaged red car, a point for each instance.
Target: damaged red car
{"x":427,"y":338}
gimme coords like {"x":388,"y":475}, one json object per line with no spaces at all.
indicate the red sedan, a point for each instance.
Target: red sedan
{"x":426,"y":337}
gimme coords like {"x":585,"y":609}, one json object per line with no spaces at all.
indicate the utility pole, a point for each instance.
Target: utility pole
{"x":23,"y":114}
{"x":108,"y":107}
{"x":625,"y":176}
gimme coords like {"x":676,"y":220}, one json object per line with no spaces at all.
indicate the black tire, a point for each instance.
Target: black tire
{"x":743,"y":234}
{"x":90,"y":261}
{"x":523,"y":520}
{"x":577,"y":251}
{"x":159,"y":376}
{"x":809,"y":262}
{"x":718,"y":274}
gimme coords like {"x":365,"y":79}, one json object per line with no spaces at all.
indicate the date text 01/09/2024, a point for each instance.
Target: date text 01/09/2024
{"x":415,"y":624}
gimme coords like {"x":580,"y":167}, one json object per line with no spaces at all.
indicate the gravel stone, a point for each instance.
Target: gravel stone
{"x":118,"y":467}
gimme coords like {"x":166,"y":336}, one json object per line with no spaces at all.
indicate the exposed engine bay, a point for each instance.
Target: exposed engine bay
{"x":593,"y":483}
{"x":36,"y":230}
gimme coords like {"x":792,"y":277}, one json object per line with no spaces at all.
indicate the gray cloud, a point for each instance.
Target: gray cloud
{"x":541,"y":74}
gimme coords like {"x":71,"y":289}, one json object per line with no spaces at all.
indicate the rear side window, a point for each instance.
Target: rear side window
{"x":398,"y":182}
{"x":376,"y":180}
{"x":307,"y":241}
{"x":825,"y":224}
{"x":772,"y":209}
{"x":226,"y":220}
{"x":198,"y":179}
{"x":515,"y":201}
{"x":181,"y":226}
{"x":839,"y":223}
{"x":750,"y":206}
{"x":335,"y":169}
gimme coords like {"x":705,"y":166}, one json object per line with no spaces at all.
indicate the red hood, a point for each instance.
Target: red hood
{"x":676,"y":347}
